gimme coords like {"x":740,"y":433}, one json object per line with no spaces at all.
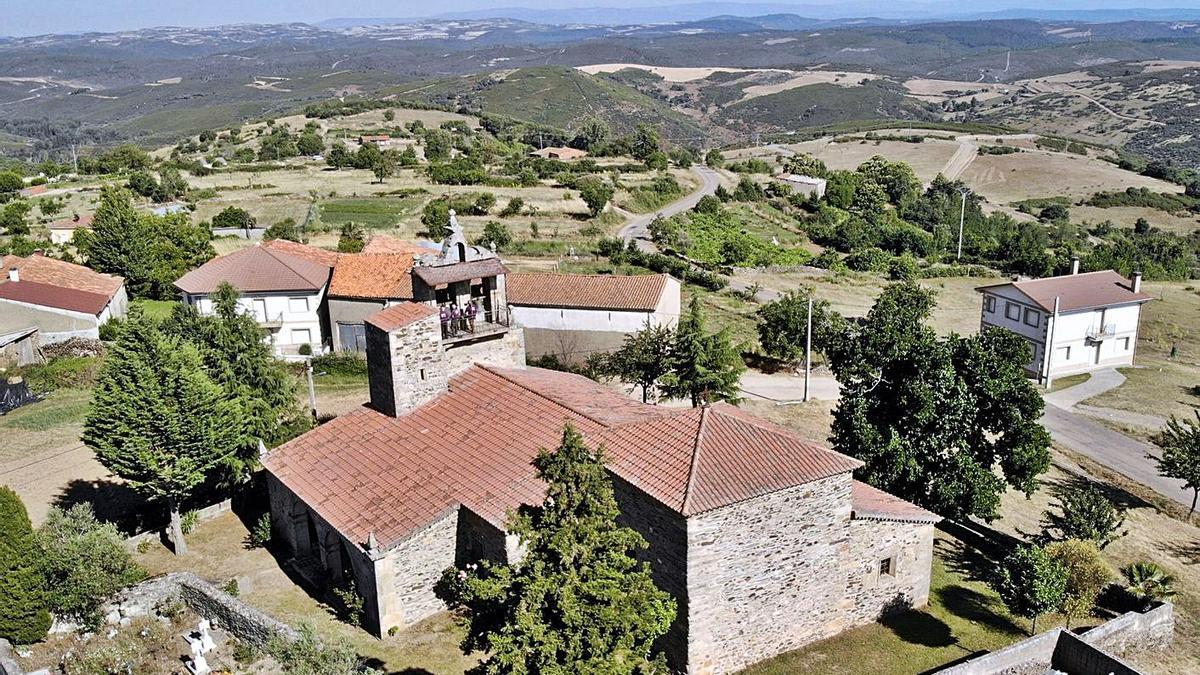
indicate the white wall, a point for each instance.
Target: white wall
{"x":604,"y":320}
{"x":293,"y":318}
{"x":1030,"y":321}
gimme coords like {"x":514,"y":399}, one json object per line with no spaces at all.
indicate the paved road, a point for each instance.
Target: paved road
{"x":788,"y":388}
{"x":637,"y":229}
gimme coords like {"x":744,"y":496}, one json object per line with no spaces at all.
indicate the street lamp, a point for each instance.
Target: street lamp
{"x":962,"y":212}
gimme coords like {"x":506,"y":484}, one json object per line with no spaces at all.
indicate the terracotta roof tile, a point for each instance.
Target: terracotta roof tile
{"x":447,"y":274}
{"x":54,"y":272}
{"x":257,"y":269}
{"x":387,"y":276}
{"x":875,"y":504}
{"x":590,"y":291}
{"x":399,"y":315}
{"x":382,"y":243}
{"x":1077,"y":291}
{"x":474,"y":444}
{"x":46,"y":295}
{"x":319,"y":256}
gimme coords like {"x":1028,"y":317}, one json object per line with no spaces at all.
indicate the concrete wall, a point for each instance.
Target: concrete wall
{"x":56,"y":325}
{"x":568,"y":318}
{"x":909,"y":549}
{"x":765,"y":575}
{"x":570,"y":345}
{"x":349,"y":311}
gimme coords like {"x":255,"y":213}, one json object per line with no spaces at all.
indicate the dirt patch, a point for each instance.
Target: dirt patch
{"x":1159,"y":66}
{"x":804,"y":79}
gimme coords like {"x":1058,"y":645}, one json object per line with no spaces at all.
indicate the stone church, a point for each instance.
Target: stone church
{"x":765,"y":539}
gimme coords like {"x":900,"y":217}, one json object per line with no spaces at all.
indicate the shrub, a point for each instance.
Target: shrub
{"x":1148,"y":583}
{"x":85,"y":563}
{"x":1087,"y":515}
{"x":868,"y":259}
{"x":62,"y":373}
{"x":304,"y":349}
{"x":351,"y":602}
{"x":513,"y":208}
{"x":496,"y":233}
{"x":23,"y":615}
{"x":904,"y":268}
{"x":1086,"y":576}
{"x":231,"y":587}
{"x":309,"y":655}
{"x":188,"y":521}
{"x":260,"y":534}
{"x":346,"y":364}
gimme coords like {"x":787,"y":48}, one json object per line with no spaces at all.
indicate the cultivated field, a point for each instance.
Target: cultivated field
{"x":1027,"y":175}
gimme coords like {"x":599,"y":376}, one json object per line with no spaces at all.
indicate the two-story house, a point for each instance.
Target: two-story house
{"x":1074,"y":323}
{"x":282,"y":285}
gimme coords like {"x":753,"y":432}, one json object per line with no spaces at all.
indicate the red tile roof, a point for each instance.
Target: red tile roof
{"x":54,"y":272}
{"x":447,"y":274}
{"x":1077,"y":291}
{"x":382,"y":243}
{"x":72,"y":224}
{"x":875,"y":504}
{"x":587,"y":291}
{"x":387,"y":276}
{"x":257,"y":269}
{"x":47,"y":295}
{"x":367,"y":472}
{"x":319,"y":256}
{"x":400,"y":315}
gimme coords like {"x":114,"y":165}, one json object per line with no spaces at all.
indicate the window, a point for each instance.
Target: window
{"x":989,"y":305}
{"x":1124,"y":344}
{"x":1032,"y":317}
{"x":1012,"y":310}
{"x":887,"y":567}
{"x":352,"y":337}
{"x":301,"y":336}
{"x":297,"y":305}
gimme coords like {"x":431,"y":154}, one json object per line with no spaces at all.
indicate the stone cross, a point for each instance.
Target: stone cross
{"x":206,"y":641}
{"x":198,"y":665}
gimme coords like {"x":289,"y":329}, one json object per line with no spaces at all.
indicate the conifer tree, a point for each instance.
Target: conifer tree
{"x":704,"y":368}
{"x":578,"y":602}
{"x":157,"y":420}
{"x":23,"y":614}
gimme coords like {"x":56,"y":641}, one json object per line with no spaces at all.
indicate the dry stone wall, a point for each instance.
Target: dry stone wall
{"x":908,"y":548}
{"x":417,"y":563}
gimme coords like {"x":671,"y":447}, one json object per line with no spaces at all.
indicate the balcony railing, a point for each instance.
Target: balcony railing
{"x":1100,"y":333}
{"x":466,"y":328}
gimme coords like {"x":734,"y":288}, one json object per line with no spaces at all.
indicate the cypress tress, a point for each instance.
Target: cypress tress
{"x":23,"y":614}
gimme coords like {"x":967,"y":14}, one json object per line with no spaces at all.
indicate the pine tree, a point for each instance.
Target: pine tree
{"x":157,"y":420}
{"x":704,"y":368}
{"x":23,"y":614}
{"x":578,"y":602}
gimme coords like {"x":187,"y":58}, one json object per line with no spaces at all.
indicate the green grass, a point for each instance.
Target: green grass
{"x":964,"y":617}
{"x":1069,"y":381}
{"x":60,"y":409}
{"x":155,"y":309}
{"x":371,"y":212}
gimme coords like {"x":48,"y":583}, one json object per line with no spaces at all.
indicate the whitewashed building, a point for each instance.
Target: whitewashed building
{"x":1074,"y":323}
{"x":573,"y":315}
{"x":808,"y":185}
{"x":282,"y":285}
{"x":61,"y":299}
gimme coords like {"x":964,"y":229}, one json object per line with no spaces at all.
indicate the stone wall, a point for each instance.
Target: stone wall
{"x":478,"y":540}
{"x":507,"y":350}
{"x":415,"y":565}
{"x":666,"y":532}
{"x":909,"y":549}
{"x":766,"y":575}
{"x":8,"y":665}
{"x":405,"y":368}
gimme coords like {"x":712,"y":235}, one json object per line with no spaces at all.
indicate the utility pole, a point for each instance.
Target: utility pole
{"x":1048,"y":349}
{"x":808,"y":349}
{"x":312,"y":392}
{"x":74,"y":160}
{"x":962,"y":212}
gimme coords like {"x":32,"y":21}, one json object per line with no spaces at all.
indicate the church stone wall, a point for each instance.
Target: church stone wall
{"x":872,"y":591}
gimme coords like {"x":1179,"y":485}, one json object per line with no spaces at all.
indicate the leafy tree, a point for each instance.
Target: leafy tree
{"x":232,"y":217}
{"x":1180,"y":458}
{"x":1140,"y":226}
{"x":578,"y":601}
{"x":596,"y":193}
{"x":934,"y":418}
{"x":783,"y":325}
{"x":157,"y":420}
{"x":51,"y":206}
{"x":407,"y":157}
{"x":898,"y":180}
{"x":593,"y":132}
{"x":805,"y":164}
{"x":13,"y":217}
{"x":1148,"y":583}
{"x":279,"y":144}
{"x":1055,"y":213}
{"x":1086,"y":515}
{"x":339,"y":156}
{"x":513,"y":207}
{"x":284,"y":229}
{"x":704,"y":367}
{"x":714,"y":159}
{"x":646,"y":141}
{"x":85,"y":563}
{"x":1031,"y":583}
{"x":310,"y":143}
{"x":23,"y":614}
{"x":1087,"y":575}
{"x":870,"y":201}
{"x":352,"y":239}
{"x":496,"y":233}
{"x":644,"y":358}
{"x":384,"y":165}
{"x":438,"y":144}
{"x":841,"y":187}
{"x":10,"y":183}
{"x":708,"y":204}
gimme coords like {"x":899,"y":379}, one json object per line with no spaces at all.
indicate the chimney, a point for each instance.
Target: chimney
{"x":1074,"y":264}
{"x":14,"y":274}
{"x":1135,"y":284}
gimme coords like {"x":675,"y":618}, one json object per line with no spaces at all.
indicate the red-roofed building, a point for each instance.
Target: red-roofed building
{"x":763,"y":538}
{"x":61,"y":299}
{"x":1090,"y":320}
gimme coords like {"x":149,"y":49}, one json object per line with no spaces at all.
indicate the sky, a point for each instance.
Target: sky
{"x":20,"y":17}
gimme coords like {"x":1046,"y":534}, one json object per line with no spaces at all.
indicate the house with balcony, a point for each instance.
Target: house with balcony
{"x":282,"y":285}
{"x":1074,"y":323}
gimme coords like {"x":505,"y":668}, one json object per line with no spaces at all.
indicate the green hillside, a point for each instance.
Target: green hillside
{"x":822,"y":104}
{"x":554,"y":96}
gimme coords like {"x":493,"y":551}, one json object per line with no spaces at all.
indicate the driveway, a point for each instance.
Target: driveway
{"x":638,"y":228}
{"x":788,"y":387}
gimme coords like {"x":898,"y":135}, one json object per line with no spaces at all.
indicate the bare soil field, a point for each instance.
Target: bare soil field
{"x":1159,"y":66}
{"x":1126,"y":216}
{"x":936,"y":91}
{"x":927,"y":159}
{"x":1026,"y":175}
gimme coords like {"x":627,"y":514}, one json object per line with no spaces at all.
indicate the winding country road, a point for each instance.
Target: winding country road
{"x":638,"y":228}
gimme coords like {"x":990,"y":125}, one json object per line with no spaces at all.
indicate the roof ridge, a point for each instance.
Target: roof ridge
{"x":276,"y":255}
{"x":597,"y":275}
{"x":696,"y":445}
{"x":496,"y":371}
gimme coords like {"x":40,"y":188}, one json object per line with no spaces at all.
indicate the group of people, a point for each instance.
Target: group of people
{"x":458,"y":319}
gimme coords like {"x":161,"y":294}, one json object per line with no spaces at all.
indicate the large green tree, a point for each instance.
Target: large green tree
{"x":1031,"y":583}
{"x":643,"y":358}
{"x":578,"y":601}
{"x":946,"y":422}
{"x":1180,"y":458}
{"x":158,"y":421}
{"x":23,"y":614}
{"x":783,"y":325}
{"x":704,"y":367}
{"x":596,"y":193}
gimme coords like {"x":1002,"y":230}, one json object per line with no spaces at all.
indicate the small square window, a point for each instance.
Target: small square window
{"x":989,"y":305}
{"x":297,"y":304}
{"x":1012,"y":310}
{"x":887,"y":567}
{"x":1032,"y":318}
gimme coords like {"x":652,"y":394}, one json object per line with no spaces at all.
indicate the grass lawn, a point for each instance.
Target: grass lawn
{"x":383,"y":212}
{"x":1069,"y":381}
{"x":155,"y":309}
{"x":50,"y":424}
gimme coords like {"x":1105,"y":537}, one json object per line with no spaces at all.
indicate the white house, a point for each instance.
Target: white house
{"x":803,"y":184}
{"x":61,"y":299}
{"x":1089,"y":321}
{"x":573,"y":315}
{"x":282,"y":285}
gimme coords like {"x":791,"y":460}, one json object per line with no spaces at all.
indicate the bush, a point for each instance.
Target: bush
{"x":904,"y":268}
{"x":85,"y":563}
{"x":260,"y":534}
{"x":304,"y":349}
{"x":232,"y":588}
{"x":868,"y":259}
{"x":346,"y":364}
{"x":513,"y":208}
{"x":1086,"y":515}
{"x":23,"y":615}
{"x":188,"y":521}
{"x":309,"y":655}
{"x":65,"y":372}
{"x":495,"y":233}
{"x":351,"y":602}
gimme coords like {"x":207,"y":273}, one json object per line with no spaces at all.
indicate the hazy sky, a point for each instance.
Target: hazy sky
{"x":63,"y":16}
